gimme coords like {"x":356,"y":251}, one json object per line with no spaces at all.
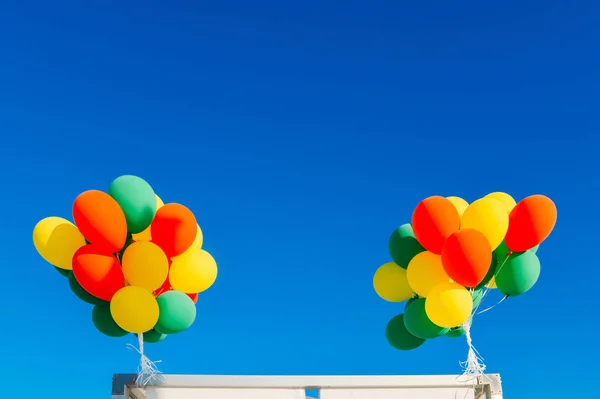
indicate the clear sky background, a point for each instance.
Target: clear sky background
{"x":300,"y":134}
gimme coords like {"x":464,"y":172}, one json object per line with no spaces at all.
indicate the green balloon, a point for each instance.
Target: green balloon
{"x":520,"y":272}
{"x":137,"y":200}
{"x":411,"y":300}
{"x":403,"y":246}
{"x":398,"y":336}
{"x":456,"y":332}
{"x":104,"y":322}
{"x":490,"y":273}
{"x":535,"y":249}
{"x":153,"y":336}
{"x":417,"y":322}
{"x":177,"y":312}
{"x":63,"y":272}
{"x":477,"y":296}
{"x":82,"y":294}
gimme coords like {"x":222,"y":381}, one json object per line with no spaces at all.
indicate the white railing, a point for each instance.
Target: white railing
{"x":295,"y":387}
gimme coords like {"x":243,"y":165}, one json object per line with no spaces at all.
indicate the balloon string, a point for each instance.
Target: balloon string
{"x":474,"y":367}
{"x":147,"y":371}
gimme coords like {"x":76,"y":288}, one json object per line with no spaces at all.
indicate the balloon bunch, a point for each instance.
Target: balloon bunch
{"x":138,"y":261}
{"x":452,"y":254}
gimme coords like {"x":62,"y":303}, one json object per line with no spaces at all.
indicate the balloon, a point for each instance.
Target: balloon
{"x":104,"y":322}
{"x":134,"y":309}
{"x":196,"y":244}
{"x":63,"y":272}
{"x":56,"y":240}
{"x":492,"y":284}
{"x":137,"y":200}
{"x":489,"y":217}
{"x":418,"y":324}
{"x":195,"y":272}
{"x":449,"y":305}
{"x":145,"y":265}
{"x":145,"y":235}
{"x":177,"y":312}
{"x":97,"y":272}
{"x":391,"y":284}
{"x":466,"y":257}
{"x":455,"y":332}
{"x":403,"y":245}
{"x":531,"y":222}
{"x":424,"y":272}
{"x":519,"y":273}
{"x":459,"y":203}
{"x":398,"y":336}
{"x":433,"y":220}
{"x":82,"y":293}
{"x":153,"y":336}
{"x":100,"y":220}
{"x":174,"y":229}
{"x":502,"y":252}
{"x":506,"y":200}
{"x":490,"y":273}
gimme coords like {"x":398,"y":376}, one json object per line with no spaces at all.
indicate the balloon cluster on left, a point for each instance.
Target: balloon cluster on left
{"x":138,"y":261}
{"x":452,"y":253}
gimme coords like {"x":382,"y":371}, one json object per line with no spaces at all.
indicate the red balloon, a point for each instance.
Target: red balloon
{"x":530,"y":223}
{"x":98,"y":272}
{"x":173,"y":229}
{"x":467,"y":257}
{"x":101,"y":220}
{"x":433,"y":220}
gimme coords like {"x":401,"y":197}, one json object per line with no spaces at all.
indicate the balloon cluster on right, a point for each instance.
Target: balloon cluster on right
{"x":451,"y":253}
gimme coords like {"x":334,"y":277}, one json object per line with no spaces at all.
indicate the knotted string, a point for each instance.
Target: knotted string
{"x":474,"y":367}
{"x":147,"y":370}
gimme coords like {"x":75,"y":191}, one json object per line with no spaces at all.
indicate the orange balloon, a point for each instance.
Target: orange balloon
{"x":100,"y":219}
{"x":433,"y":220}
{"x":98,"y":272}
{"x":530,"y":223}
{"x":467,"y":257}
{"x":174,"y":229}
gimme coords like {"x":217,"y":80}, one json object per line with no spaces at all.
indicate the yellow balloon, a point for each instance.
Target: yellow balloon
{"x":424,"y":272}
{"x":459,"y":203}
{"x":56,"y":240}
{"x":449,"y":305}
{"x":145,"y":265}
{"x":198,"y":241}
{"x":134,"y":309}
{"x":145,"y":235}
{"x":193,"y":272}
{"x":508,"y":201}
{"x":391,"y":284}
{"x":488,"y":216}
{"x":491,"y":284}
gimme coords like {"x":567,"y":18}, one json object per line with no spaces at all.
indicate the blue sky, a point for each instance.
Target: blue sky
{"x":300,"y":134}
